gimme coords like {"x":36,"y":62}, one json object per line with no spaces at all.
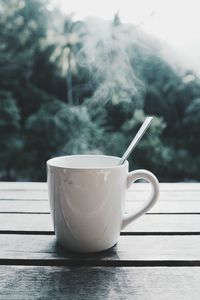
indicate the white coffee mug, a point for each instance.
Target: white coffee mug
{"x":87,"y":196}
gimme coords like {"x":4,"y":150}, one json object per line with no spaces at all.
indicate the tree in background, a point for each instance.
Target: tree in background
{"x":48,"y":95}
{"x":10,"y":142}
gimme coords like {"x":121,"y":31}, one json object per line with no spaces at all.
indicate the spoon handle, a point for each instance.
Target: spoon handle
{"x":136,"y":139}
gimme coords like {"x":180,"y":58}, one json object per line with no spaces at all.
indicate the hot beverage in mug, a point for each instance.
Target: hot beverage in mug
{"x":87,"y":196}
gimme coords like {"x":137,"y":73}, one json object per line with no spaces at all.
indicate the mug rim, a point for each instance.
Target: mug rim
{"x":51,"y":160}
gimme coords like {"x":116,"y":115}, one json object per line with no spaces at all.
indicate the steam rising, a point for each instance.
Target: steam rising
{"x":105,"y":53}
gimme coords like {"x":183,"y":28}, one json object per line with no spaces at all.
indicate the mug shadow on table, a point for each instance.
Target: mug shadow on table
{"x":108,"y":257}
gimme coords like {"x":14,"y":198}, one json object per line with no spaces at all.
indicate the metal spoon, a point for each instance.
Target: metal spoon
{"x":136,"y":139}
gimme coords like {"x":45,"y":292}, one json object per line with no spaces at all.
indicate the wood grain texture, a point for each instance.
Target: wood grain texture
{"x":34,"y":266}
{"x":23,"y":195}
{"x":130,"y":251}
{"x":180,"y":186}
{"x":146,"y":224}
{"x":97,"y":283}
{"x":38,"y":191}
{"x":4,"y":185}
{"x":42,"y":206}
{"x":24,"y":206}
{"x":165,"y":223}
{"x":167,"y":207}
{"x":25,"y":222}
{"x":131,"y":195}
{"x":169,"y":195}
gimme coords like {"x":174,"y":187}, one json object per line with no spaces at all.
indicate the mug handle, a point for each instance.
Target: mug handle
{"x":151,"y":178}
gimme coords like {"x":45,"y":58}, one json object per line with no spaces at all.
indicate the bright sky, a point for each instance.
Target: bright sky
{"x":175,"y":21}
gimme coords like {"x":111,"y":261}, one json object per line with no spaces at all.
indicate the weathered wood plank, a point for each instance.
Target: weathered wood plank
{"x":169,"y":186}
{"x":166,"y":195}
{"x":167,"y":206}
{"x":130,"y":251}
{"x":23,"y":195}
{"x":32,"y":206}
{"x":4,"y":185}
{"x":166,"y":223}
{"x":132,"y":195}
{"x":24,"y":206}
{"x":181,"y":186}
{"x":146,"y":224}
{"x":25,"y":222}
{"x":63,"y":283}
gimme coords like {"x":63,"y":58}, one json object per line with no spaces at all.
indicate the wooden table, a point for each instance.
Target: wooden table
{"x":157,"y":257}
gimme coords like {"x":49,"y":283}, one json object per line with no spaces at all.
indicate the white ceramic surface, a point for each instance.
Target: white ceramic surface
{"x":87,"y":198}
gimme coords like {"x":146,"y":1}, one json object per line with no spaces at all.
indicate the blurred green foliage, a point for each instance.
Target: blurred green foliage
{"x":47,"y":105}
